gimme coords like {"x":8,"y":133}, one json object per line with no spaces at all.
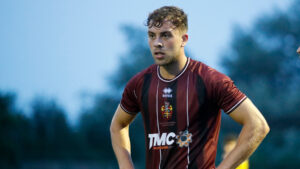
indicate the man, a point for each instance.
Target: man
{"x":298,"y":50}
{"x":180,"y":100}
{"x":228,"y":146}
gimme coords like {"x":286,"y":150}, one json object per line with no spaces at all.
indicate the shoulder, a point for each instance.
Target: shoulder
{"x":140,"y":76}
{"x":208,"y":74}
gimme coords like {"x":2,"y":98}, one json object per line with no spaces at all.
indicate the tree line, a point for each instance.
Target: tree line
{"x":261,"y":60}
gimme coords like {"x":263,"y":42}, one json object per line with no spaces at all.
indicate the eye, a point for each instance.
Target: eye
{"x":151,"y":35}
{"x":166,"y":35}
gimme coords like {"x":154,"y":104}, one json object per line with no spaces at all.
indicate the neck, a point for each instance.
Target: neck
{"x":171,"y":70}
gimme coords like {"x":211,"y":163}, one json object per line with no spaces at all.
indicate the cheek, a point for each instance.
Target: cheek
{"x":170,"y":45}
{"x":150,"y":44}
{"x":174,"y":44}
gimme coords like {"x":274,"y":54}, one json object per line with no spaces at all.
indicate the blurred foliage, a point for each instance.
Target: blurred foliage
{"x":134,"y":60}
{"x":53,"y":136}
{"x":13,"y":127}
{"x":95,"y":122}
{"x":262,"y":62}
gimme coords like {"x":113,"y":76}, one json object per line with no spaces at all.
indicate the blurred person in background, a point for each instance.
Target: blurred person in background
{"x":229,"y":143}
{"x":180,"y":100}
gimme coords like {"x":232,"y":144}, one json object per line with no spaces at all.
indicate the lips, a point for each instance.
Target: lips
{"x":159,"y":55}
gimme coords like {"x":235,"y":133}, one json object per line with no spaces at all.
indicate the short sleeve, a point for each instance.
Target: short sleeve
{"x":222,"y":91}
{"x":129,"y":101}
{"x":229,"y":96}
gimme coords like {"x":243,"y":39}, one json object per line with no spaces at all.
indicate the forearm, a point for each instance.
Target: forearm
{"x":121,"y":145}
{"x":249,"y":139}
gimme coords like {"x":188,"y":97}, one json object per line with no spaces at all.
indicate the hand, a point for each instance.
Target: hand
{"x":298,"y":50}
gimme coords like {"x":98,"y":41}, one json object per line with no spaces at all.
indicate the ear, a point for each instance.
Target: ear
{"x":185,"y":38}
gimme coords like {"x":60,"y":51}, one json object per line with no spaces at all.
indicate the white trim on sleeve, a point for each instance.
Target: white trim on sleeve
{"x":237,"y":104}
{"x":132,"y":113}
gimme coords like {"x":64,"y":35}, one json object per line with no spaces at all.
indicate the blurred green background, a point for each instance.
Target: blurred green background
{"x":262,"y":60}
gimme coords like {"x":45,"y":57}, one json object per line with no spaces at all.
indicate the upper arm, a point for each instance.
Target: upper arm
{"x":247,"y":113}
{"x":121,"y":118}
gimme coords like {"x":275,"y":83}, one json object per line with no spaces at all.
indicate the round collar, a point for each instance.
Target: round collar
{"x":177,"y":76}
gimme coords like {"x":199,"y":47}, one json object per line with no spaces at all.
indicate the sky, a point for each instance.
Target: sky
{"x":67,"y":49}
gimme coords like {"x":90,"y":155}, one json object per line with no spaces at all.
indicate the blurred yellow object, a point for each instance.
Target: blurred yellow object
{"x":244,"y":165}
{"x":228,"y":146}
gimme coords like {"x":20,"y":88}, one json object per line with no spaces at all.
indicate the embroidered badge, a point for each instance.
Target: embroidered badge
{"x":167,"y":110}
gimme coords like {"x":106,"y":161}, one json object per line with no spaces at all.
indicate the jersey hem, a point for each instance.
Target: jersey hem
{"x":132,"y":113}
{"x":236,"y":105}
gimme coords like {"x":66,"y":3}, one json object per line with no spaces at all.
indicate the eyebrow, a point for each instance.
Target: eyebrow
{"x":160,"y":32}
{"x":165,"y":32}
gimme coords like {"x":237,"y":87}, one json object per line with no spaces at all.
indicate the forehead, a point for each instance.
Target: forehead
{"x":166,"y":26}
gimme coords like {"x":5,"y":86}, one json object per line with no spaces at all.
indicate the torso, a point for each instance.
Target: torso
{"x":181,"y":118}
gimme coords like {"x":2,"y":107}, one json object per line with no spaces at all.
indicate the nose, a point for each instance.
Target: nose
{"x":158,"y":43}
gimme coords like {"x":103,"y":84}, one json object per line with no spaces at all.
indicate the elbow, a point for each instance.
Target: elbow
{"x":116,"y":127}
{"x":112,"y":128}
{"x":259,"y":128}
{"x":264,"y":128}
{"x":267,"y":128}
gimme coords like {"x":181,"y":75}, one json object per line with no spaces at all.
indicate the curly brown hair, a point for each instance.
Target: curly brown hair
{"x":168,"y":13}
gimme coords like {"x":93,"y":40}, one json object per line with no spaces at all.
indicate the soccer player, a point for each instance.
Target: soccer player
{"x":180,"y":100}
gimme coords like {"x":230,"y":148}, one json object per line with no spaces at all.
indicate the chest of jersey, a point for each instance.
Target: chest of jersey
{"x":172,"y":106}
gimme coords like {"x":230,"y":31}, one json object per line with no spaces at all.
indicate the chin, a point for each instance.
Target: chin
{"x":163,"y":62}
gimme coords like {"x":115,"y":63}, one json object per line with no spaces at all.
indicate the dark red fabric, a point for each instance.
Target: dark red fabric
{"x":192,"y":102}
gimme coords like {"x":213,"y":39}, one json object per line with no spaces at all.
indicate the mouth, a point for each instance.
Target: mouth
{"x":159,"y":55}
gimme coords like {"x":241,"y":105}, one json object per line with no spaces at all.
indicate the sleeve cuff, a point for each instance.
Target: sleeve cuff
{"x":236,"y":105}
{"x":132,"y":113}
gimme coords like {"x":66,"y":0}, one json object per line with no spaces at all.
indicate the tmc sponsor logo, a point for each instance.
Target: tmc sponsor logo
{"x":163,"y":141}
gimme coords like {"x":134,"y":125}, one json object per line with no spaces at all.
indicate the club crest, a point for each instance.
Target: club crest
{"x":167,"y":110}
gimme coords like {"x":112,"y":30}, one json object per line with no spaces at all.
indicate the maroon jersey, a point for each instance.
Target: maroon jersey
{"x":181,"y":116}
